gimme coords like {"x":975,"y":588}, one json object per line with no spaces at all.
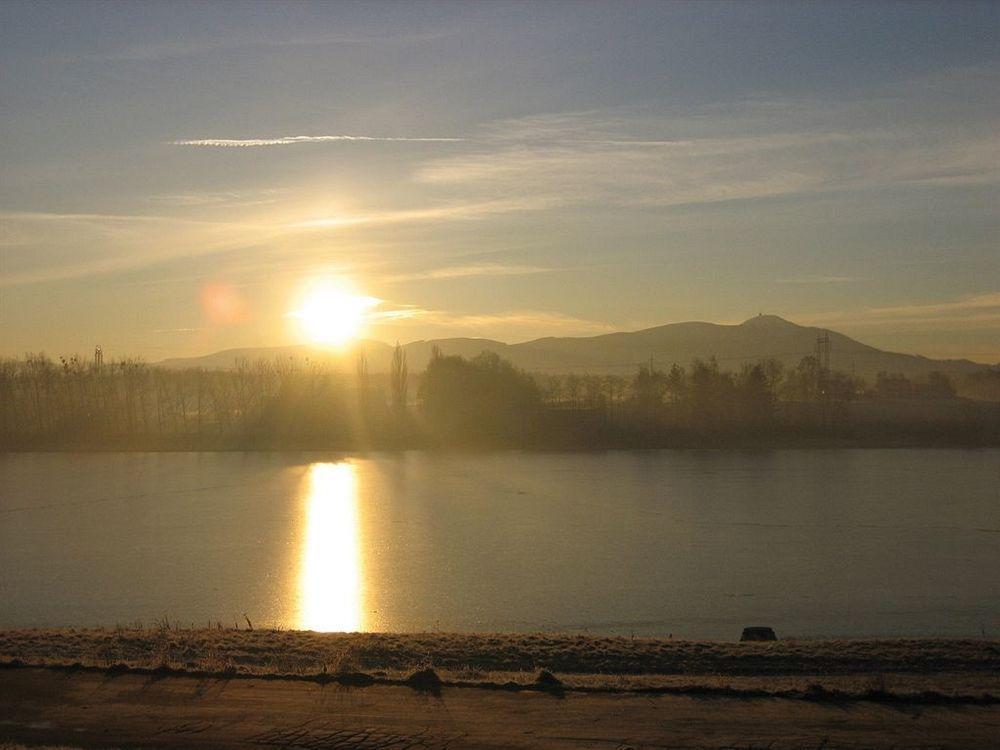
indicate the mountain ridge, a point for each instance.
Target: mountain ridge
{"x":760,"y":337}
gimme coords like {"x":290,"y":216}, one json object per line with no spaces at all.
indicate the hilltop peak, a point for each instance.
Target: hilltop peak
{"x":767,"y":321}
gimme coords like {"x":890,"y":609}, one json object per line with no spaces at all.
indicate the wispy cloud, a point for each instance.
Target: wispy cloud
{"x":822,"y":280}
{"x":217,"y":198}
{"x":74,"y":245}
{"x":976,"y":311}
{"x":96,"y":218}
{"x":192,"y":47}
{"x":387,"y":313}
{"x":656,"y":156}
{"x":638,"y":158}
{"x":469,"y":271}
{"x":514,"y":325}
{"x":545,"y":321}
{"x":292,"y":140}
{"x":52,"y":246}
{"x":110,"y":220}
{"x":453,"y":210}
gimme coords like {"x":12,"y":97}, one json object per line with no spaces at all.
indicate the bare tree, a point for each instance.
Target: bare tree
{"x":399,"y":381}
{"x":364,"y":381}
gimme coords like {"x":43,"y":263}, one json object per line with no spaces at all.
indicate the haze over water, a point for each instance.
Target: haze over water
{"x":689,"y":543}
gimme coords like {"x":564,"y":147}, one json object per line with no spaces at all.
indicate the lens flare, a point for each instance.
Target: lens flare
{"x":223,"y":305}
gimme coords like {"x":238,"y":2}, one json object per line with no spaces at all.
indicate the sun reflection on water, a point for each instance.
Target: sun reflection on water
{"x":330,"y":571}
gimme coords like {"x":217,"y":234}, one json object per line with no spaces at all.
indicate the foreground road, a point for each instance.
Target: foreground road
{"x":96,"y":710}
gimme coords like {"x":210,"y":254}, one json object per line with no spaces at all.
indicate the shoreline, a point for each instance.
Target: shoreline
{"x":273,"y":652}
{"x":133,"y":446}
{"x":428,"y":680}
{"x":291,"y":689}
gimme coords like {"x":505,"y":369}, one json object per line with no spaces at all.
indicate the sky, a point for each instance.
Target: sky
{"x":176,"y":176}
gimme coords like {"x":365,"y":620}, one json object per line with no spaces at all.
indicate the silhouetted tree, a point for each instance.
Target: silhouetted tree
{"x":710,"y":394}
{"x":363,"y":381}
{"x":572,"y":385}
{"x":774,"y":373}
{"x":676,"y":383}
{"x":595,"y":394}
{"x":483,"y":398}
{"x":893,"y":385}
{"x":755,"y":398}
{"x":939,"y":386}
{"x":648,"y":388}
{"x":399,"y":381}
{"x":802,"y":383}
{"x":984,"y":384}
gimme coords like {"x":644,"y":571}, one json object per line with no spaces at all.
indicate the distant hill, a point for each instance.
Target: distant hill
{"x":379,"y":355}
{"x":762,"y":337}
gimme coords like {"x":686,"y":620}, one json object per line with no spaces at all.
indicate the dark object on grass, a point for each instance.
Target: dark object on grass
{"x":354,"y":679}
{"x":758,"y":634}
{"x":426,"y":680}
{"x":547,"y":679}
{"x":549,"y":683}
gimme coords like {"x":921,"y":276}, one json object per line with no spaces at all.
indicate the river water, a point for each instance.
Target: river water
{"x":652,"y":543}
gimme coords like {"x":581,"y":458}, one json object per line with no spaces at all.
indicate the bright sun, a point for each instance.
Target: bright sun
{"x":328,"y":314}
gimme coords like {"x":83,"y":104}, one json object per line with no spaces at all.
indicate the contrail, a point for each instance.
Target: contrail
{"x":290,"y":140}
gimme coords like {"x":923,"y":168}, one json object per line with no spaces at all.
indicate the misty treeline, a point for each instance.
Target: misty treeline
{"x":458,"y":401}
{"x":128,"y":402}
{"x":765,"y":400}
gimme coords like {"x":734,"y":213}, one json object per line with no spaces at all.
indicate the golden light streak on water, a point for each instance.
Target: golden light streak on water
{"x":330,"y":572}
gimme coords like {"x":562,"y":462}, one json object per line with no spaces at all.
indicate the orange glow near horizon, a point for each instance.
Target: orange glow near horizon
{"x":330,"y":313}
{"x":330,"y":575}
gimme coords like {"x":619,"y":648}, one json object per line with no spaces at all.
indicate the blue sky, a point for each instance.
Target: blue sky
{"x":513,"y":170}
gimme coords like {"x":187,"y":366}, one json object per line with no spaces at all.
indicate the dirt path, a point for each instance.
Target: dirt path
{"x":97,"y":710}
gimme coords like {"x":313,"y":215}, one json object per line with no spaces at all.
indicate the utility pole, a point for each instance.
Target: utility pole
{"x":822,"y":374}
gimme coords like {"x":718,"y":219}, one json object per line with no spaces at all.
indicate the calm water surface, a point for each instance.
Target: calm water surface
{"x":690,"y":543}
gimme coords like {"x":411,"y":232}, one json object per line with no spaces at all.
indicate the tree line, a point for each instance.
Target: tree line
{"x":455,"y":401}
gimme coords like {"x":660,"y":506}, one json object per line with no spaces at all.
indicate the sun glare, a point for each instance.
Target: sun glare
{"x":330,"y":575}
{"x":329,"y":314}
